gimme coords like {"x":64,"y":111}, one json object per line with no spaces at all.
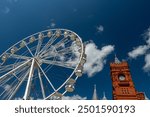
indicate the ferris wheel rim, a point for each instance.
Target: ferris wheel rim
{"x":73,"y":72}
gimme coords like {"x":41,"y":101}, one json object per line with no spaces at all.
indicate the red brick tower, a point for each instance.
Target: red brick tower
{"x":123,"y":86}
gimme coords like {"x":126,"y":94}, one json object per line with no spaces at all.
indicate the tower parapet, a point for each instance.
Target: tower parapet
{"x":123,"y":86}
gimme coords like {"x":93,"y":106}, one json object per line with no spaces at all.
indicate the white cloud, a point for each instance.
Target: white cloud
{"x":18,"y":98}
{"x":53,"y":24}
{"x":7,"y":87}
{"x":147,"y":36}
{"x":148,"y":41}
{"x":74,"y":97}
{"x":12,"y":1}
{"x":147,"y":63}
{"x":96,"y":58}
{"x":5,"y":10}
{"x":75,"y":10}
{"x":138,"y":51}
{"x":143,"y":50}
{"x":100,"y":28}
{"x":74,"y":59}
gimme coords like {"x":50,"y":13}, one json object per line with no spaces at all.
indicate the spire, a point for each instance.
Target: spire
{"x":146,"y":98}
{"x":104,"y":96}
{"x":117,"y":60}
{"x":95,"y":97}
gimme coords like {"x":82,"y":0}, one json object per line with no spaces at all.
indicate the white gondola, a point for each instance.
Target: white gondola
{"x":71,"y":81}
{"x":56,"y":96}
{"x":79,"y":71}
{"x":83,"y":60}
{"x":41,"y":36}
{"x":66,"y":34}
{"x":32,"y":39}
{"x":70,"y":85}
{"x":78,"y":43}
{"x":4,"y":58}
{"x":73,"y":37}
{"x":80,"y":49}
{"x":13,"y":50}
{"x":58,"y":33}
{"x":49,"y":34}
{"x":22,"y":44}
{"x":70,"y":88}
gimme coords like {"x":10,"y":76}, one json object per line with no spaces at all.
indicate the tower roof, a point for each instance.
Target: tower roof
{"x":104,"y":96}
{"x":95,"y":97}
{"x":117,"y":60}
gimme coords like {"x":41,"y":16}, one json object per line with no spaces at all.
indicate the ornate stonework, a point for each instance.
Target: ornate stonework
{"x":122,"y":84}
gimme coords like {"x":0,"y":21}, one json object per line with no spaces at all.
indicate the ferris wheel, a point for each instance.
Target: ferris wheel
{"x":44,"y":65}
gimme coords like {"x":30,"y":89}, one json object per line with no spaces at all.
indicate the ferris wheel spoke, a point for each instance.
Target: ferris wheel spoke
{"x":28,"y":49}
{"x":46,"y":77}
{"x":47,"y":55}
{"x":58,"y":63}
{"x":29,"y":82}
{"x":10,"y":72}
{"x":13,"y":75}
{"x":38,"y":46}
{"x":12,"y":87}
{"x":62,"y":42}
{"x":64,"y":93}
{"x":9,"y":67}
{"x":5,"y":81}
{"x":50,"y":56}
{"x":6,"y":94}
{"x":9,"y":77}
{"x":62,"y":53}
{"x":2,"y":93}
{"x":41,"y":84}
{"x":9,"y":90}
{"x":2,"y":63}
{"x":48,"y":52}
{"x":15,"y":56}
{"x":9,"y":93}
{"x":66,"y":50}
{"x":48,"y":44}
{"x":19,"y":84}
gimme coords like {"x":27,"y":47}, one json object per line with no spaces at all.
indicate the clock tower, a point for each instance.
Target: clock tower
{"x":122,"y":84}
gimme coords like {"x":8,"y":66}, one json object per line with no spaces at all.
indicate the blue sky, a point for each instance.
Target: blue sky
{"x":119,"y":23}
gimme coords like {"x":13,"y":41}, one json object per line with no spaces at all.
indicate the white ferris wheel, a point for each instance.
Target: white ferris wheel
{"x":44,"y":65}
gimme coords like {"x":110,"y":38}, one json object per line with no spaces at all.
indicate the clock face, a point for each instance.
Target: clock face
{"x":121,"y":77}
